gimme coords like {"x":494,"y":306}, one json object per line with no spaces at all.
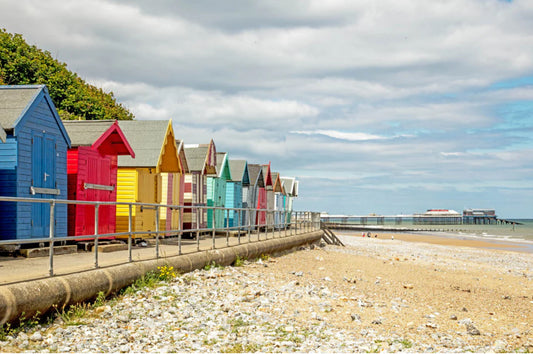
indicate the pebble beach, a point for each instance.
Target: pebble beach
{"x":374,"y":295}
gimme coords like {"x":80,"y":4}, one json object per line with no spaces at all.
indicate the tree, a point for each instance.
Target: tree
{"x":22,"y":64}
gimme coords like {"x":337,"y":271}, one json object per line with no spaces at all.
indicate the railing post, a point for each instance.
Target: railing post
{"x":239,"y":229}
{"x":51,"y":231}
{"x":285,"y":221}
{"x":198,"y":228}
{"x":249,"y":223}
{"x":296,"y":223}
{"x":130,"y":236}
{"x":180,"y":226}
{"x":214,"y":228}
{"x":227,"y":226}
{"x":157,"y":232}
{"x":96,"y":207}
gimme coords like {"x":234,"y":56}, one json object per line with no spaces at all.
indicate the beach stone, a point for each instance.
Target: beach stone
{"x":36,"y":337}
{"x":472,"y":330}
{"x":499,"y":346}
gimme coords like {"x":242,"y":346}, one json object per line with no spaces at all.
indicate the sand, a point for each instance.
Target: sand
{"x":438,"y":296}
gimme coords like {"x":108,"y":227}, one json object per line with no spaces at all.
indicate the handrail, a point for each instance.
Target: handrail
{"x":285,"y":222}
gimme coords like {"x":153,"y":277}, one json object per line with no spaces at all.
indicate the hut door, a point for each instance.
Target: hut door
{"x":43,"y":179}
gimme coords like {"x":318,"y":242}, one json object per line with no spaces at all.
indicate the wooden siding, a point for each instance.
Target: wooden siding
{"x":126,"y":193}
{"x":8,"y":184}
{"x":38,"y":119}
{"x":86,"y":165}
{"x":233,"y":200}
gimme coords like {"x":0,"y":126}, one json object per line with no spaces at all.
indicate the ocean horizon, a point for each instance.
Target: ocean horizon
{"x":516,"y":232}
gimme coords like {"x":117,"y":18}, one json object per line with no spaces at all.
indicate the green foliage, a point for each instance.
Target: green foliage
{"x":239,"y":262}
{"x":212,"y":265}
{"x":73,"y":315}
{"x":149,"y":280}
{"x":22,"y":64}
{"x":100,"y":299}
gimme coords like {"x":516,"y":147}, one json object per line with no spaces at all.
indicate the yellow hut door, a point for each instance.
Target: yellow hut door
{"x":149,"y":185}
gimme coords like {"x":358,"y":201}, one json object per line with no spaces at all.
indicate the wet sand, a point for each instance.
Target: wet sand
{"x":448,"y":240}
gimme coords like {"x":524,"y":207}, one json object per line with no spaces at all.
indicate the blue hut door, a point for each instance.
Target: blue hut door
{"x":43,"y":176}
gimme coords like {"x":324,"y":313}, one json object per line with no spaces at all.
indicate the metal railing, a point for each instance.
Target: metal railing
{"x":252,"y":225}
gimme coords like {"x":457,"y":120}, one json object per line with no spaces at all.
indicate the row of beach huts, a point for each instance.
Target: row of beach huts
{"x":43,"y":157}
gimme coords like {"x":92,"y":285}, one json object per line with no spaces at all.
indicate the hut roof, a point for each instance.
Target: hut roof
{"x":238,"y":170}
{"x":103,"y":135}
{"x":267,"y":176}
{"x":196,"y":157}
{"x":201,"y":157}
{"x":256,"y":175}
{"x":276,"y":182}
{"x":16,"y":100}
{"x":288,"y":185}
{"x":146,"y":137}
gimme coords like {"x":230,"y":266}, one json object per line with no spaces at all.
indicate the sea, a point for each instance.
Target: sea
{"x":520,"y":232}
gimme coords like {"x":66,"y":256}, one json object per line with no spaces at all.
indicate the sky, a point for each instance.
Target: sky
{"x":387,"y":107}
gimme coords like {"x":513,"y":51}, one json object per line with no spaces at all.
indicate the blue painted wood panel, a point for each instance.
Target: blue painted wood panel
{"x":40,"y":120}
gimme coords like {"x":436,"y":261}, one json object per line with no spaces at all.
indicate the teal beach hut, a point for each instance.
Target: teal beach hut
{"x":234,"y":192}
{"x":33,"y":163}
{"x":216,"y":190}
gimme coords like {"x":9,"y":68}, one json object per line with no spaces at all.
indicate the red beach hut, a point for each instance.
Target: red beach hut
{"x":92,"y":173}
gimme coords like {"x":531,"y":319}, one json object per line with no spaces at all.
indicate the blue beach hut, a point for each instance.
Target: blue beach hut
{"x":33,"y":162}
{"x":2,"y":134}
{"x":240,"y":180}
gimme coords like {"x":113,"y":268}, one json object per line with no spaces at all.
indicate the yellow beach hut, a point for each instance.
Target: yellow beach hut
{"x":140,"y":180}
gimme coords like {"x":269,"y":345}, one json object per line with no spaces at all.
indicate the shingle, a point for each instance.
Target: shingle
{"x":13,"y":101}
{"x":237,"y":169}
{"x":196,"y":157}
{"x":86,"y":132}
{"x":255,"y":171}
{"x":146,"y":138}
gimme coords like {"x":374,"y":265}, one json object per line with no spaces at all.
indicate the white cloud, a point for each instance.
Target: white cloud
{"x":393,"y":95}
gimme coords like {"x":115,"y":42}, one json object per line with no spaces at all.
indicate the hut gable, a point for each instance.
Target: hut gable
{"x":276,"y":182}
{"x":17,"y":101}
{"x":182,"y":156}
{"x":267,"y":176}
{"x":288,"y":185}
{"x":239,"y":171}
{"x":154,"y":145}
{"x":202,"y":158}
{"x":223,"y":170}
{"x":106,"y":137}
{"x":256,"y":175}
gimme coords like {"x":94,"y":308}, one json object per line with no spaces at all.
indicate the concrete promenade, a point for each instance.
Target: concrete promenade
{"x":26,"y":287}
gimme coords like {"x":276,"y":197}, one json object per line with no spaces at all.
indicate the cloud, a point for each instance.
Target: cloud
{"x":340,"y":135}
{"x":391,"y":98}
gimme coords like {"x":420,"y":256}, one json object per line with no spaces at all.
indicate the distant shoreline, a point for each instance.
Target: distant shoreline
{"x":444,"y":238}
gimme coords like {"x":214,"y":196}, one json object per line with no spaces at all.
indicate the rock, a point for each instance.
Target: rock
{"x":453,"y":317}
{"x":355,"y":317}
{"x":36,"y":337}
{"x":499,"y":346}
{"x":377,"y":322}
{"x":472,"y":330}
{"x":408,"y":286}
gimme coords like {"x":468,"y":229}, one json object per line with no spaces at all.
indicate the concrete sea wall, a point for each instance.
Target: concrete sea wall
{"x":41,"y":296}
